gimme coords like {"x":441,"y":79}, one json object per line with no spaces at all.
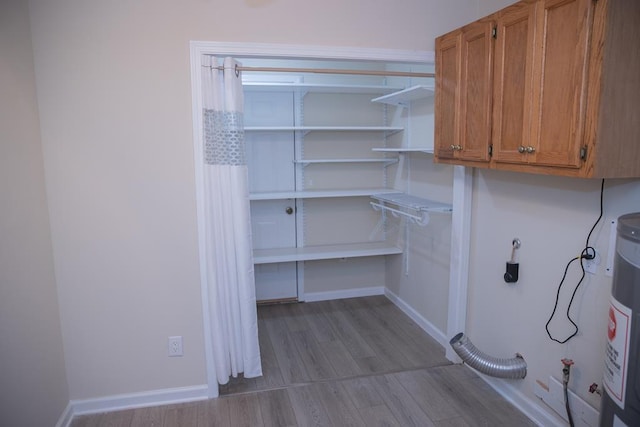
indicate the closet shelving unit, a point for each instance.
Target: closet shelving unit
{"x":415,"y":209}
{"x":320,"y":252}
{"x":387,"y":200}
{"x":402,"y":98}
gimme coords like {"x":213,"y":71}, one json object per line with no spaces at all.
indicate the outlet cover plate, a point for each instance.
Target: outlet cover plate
{"x":175,"y":346}
{"x":591,"y":265}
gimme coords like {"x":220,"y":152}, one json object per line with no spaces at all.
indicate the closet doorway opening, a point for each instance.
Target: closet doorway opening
{"x":320,"y":148}
{"x":316,"y":152}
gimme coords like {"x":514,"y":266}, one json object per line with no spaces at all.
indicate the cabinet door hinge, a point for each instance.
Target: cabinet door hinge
{"x":583,"y":153}
{"x":494,"y":32}
{"x":490,"y":150}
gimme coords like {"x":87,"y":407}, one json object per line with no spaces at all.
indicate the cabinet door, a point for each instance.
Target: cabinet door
{"x":475,"y":91}
{"x":447,"y":95}
{"x":560,"y":77}
{"x":515,"y":32}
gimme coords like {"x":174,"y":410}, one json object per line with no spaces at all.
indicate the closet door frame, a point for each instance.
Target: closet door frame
{"x":462,"y":185}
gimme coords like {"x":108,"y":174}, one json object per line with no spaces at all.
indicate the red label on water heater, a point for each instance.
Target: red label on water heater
{"x":611,"y":330}
{"x":617,"y":352}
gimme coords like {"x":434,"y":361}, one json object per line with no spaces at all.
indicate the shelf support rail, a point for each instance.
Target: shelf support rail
{"x":421,"y":219}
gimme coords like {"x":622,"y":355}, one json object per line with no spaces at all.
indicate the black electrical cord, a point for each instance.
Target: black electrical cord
{"x":587,"y":253}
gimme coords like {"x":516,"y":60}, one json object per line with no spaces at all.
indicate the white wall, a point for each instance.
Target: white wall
{"x":423,"y":283}
{"x":33,"y":390}
{"x":552,"y":217}
{"x":114,"y":101}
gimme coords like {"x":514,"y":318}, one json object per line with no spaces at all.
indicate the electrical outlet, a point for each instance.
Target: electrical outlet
{"x":175,"y":346}
{"x":591,"y":265}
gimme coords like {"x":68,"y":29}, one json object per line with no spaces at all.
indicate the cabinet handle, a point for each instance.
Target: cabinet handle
{"x":456,"y":147}
{"x":521,"y":149}
{"x":531,"y":149}
{"x":289,"y":210}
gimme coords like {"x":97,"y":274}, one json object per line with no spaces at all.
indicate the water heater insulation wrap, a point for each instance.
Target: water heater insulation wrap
{"x":621,"y":402}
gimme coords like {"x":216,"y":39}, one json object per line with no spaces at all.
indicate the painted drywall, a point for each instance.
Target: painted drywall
{"x":420,"y":276}
{"x":552,"y":217}
{"x":115,"y":109}
{"x":34,"y":388}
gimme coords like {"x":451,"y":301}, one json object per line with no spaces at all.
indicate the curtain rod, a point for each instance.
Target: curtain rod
{"x":331,"y":71}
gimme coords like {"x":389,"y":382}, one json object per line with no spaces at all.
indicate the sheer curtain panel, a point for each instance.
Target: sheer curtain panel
{"x":230,"y":274}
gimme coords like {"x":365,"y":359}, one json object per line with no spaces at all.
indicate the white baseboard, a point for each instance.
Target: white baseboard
{"x":427,"y":326}
{"x":137,"y":400}
{"x":66,"y":417}
{"x":539,"y":414}
{"x":347,"y":293}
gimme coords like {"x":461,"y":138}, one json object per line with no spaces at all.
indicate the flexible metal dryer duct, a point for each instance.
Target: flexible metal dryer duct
{"x":515,"y":368}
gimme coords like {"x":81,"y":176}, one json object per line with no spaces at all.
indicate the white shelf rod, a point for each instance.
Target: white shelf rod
{"x":422,"y":219}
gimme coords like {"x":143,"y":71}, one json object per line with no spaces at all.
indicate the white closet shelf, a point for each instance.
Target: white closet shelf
{"x":310,"y":253}
{"x":317,"y":87}
{"x":320,"y":161}
{"x":323,"y":128}
{"x":317,"y":194}
{"x":428,"y":150}
{"x":404,"y":97}
{"x":417,"y":204}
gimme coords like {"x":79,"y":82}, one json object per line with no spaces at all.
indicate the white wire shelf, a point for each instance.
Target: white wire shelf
{"x":316,"y":194}
{"x":311,"y":253}
{"x":404,"y":97}
{"x":414,"y":208}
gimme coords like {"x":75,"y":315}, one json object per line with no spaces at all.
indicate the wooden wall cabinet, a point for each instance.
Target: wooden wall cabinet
{"x":463,"y":88}
{"x":560,"y":94}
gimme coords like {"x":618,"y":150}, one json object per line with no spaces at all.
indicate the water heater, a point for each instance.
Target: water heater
{"x":621,"y":400}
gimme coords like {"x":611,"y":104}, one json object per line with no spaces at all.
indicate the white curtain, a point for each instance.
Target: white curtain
{"x":230,"y":274}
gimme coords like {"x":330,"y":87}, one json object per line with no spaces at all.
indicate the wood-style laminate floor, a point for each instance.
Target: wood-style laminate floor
{"x":352,"y":362}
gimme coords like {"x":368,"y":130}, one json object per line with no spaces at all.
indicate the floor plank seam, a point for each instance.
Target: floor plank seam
{"x":340,"y":379}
